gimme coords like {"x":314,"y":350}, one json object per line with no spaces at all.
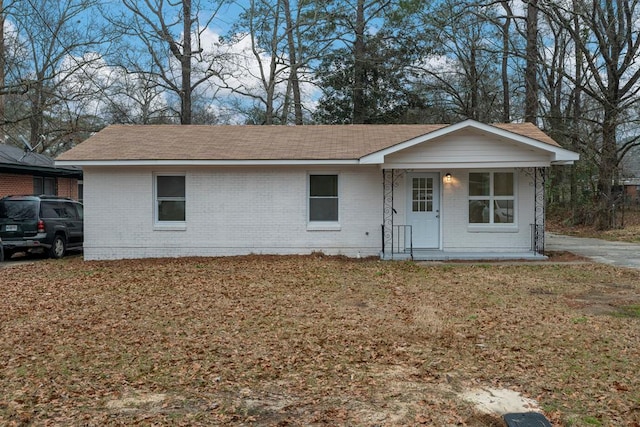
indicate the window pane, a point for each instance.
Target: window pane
{"x":479,"y":211}
{"x":323,"y":209}
{"x":170,"y":186}
{"x":503,"y":184}
{"x":323,"y":185}
{"x":50,"y":186}
{"x":479,"y":183}
{"x":171,"y":211}
{"x":38,"y":185}
{"x":419,"y":194}
{"x":503,"y":211}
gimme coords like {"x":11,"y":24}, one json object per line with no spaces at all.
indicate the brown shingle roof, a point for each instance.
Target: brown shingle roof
{"x":196,"y":142}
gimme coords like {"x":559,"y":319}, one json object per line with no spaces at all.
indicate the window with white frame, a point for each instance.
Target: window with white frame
{"x":491,"y":198}
{"x":170,"y":198}
{"x":323,"y":198}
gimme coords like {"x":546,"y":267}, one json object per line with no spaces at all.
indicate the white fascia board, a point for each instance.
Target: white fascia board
{"x":204,"y":162}
{"x":462,"y":165}
{"x":565,"y":156}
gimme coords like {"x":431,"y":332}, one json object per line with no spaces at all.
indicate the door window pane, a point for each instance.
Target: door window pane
{"x":422,"y":195}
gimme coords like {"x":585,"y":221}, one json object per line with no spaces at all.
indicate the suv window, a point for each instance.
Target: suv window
{"x":18,"y":210}
{"x":55,"y":209}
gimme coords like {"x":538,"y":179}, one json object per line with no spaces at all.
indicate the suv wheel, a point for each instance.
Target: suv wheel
{"x":58,"y":247}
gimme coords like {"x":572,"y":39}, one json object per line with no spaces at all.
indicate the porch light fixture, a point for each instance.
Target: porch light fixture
{"x":447,"y":177}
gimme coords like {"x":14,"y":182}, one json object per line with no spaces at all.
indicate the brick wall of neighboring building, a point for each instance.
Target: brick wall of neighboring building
{"x":15,"y":184}
{"x":23,"y":184}
{"x":68,"y":187}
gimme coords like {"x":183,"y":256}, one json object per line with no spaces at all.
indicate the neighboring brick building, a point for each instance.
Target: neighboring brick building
{"x":31,"y":173}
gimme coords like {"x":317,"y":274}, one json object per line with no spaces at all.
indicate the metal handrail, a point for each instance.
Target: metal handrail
{"x":402,"y":240}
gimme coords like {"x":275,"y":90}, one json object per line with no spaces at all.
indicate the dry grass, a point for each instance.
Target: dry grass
{"x":313,"y":341}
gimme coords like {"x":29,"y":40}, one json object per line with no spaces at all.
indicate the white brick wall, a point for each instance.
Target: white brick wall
{"x":230,"y":211}
{"x":236,"y":211}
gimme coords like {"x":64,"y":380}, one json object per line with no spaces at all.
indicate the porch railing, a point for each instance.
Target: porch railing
{"x":401,"y":240}
{"x":537,"y":238}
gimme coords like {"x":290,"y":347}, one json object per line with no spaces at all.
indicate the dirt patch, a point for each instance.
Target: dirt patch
{"x":134,"y":403}
{"x":607,"y":299}
{"x":564,"y":256}
{"x":494,"y":401}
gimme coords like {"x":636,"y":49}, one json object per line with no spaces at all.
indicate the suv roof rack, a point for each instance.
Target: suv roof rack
{"x":48,"y":196}
{"x":36,"y":196}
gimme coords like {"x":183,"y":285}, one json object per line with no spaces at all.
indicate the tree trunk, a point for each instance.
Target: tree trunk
{"x":530,"y":73}
{"x":608,"y":163}
{"x":577,"y":113}
{"x":473,"y":80}
{"x":504,"y":72}
{"x":36,"y":118}
{"x":271,"y":81}
{"x":2,"y":75}
{"x":293,"y":72}
{"x":185,"y":62}
{"x":359,"y":71}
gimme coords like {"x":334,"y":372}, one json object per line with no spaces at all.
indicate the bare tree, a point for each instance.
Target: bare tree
{"x":608,"y":42}
{"x":169,"y":32}
{"x":50,"y":44}
{"x":471,"y":80}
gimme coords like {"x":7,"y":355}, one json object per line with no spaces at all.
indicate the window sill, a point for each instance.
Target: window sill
{"x":169,"y":227}
{"x":493,"y":228}
{"x":323,"y":226}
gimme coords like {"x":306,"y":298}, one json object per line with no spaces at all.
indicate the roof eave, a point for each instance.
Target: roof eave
{"x":41,"y":170}
{"x":213,"y":162}
{"x":564,"y":157}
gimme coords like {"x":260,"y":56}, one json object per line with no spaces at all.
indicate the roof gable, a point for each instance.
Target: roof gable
{"x":526,"y":134}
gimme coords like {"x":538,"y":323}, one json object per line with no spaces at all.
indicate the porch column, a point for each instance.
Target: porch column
{"x":539,"y":175}
{"x":387,"y":213}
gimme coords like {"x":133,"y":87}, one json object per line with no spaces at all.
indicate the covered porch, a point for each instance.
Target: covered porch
{"x":429,"y":215}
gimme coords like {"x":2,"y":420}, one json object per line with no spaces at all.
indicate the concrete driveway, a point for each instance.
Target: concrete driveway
{"x":615,"y":253}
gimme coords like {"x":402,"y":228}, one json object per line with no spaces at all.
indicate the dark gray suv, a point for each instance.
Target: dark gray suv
{"x":47,"y":224}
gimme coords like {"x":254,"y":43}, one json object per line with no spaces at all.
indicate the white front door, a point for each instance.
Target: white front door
{"x":423,"y":209}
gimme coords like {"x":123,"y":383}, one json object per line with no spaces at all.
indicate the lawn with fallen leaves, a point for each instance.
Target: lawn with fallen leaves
{"x":314,"y":341}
